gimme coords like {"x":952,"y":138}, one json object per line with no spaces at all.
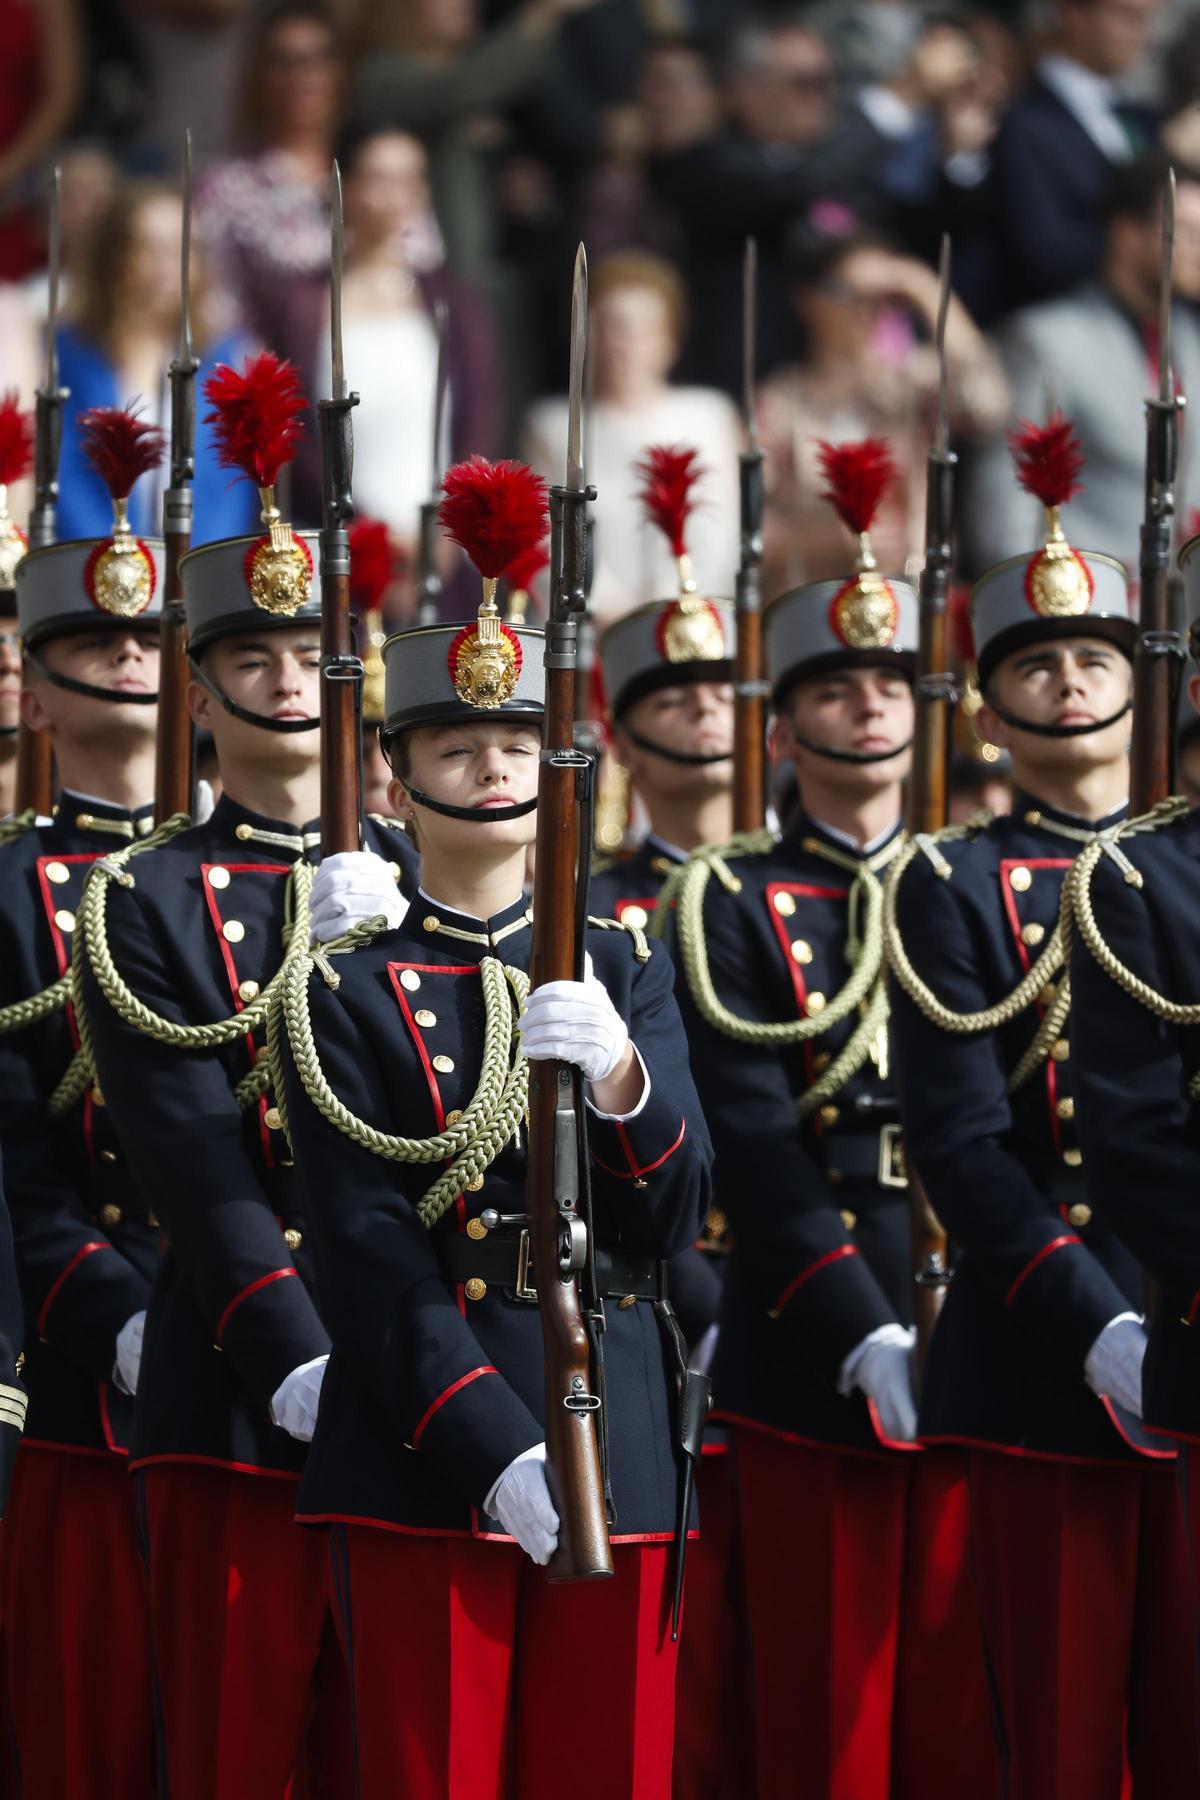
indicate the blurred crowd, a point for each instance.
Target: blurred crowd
{"x":479,"y":140}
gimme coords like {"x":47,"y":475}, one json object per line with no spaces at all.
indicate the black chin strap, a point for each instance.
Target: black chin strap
{"x":861,"y":757}
{"x":1057,"y":731}
{"x":9,"y":731}
{"x":475,"y":815}
{"x":72,"y":686}
{"x":689,"y":760}
{"x":243,"y":713}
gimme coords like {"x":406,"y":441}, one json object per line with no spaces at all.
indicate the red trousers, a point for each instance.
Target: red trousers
{"x":474,"y":1678}
{"x":1082,"y":1576}
{"x":822,"y":1547}
{"x":714,"y":1740}
{"x":76,"y":1652}
{"x":253,"y":1702}
{"x":941,"y":1750}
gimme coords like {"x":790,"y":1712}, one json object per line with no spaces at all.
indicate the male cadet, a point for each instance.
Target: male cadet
{"x":429,"y":1458}
{"x":185,"y":945}
{"x":780,"y":953}
{"x":1135,"y":983}
{"x":76,"y":1637}
{"x":16,"y":460}
{"x":1035,"y":1363}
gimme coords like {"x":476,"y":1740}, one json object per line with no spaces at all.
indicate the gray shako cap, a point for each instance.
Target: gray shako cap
{"x":1005,"y":611}
{"x":650,"y":648}
{"x":217,"y":597}
{"x":52,"y":591}
{"x":419,"y":687}
{"x":838,"y":624}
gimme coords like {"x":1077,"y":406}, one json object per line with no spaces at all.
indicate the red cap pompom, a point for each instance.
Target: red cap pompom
{"x":1049,"y":458}
{"x":668,"y":476}
{"x":16,"y":439}
{"x":370,"y":562}
{"x":496,"y":512}
{"x":120,"y":446}
{"x":858,"y":475}
{"x":256,"y":416}
{"x":524,"y":570}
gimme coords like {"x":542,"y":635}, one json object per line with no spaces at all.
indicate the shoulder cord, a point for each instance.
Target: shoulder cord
{"x":20,"y":1013}
{"x":487,"y":1124}
{"x":91,"y":942}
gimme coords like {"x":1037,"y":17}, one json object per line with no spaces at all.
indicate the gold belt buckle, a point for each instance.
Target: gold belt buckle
{"x":525,"y":1289}
{"x":892,"y":1171}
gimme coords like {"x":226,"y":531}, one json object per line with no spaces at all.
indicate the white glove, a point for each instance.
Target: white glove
{"x":881,"y":1368}
{"x":294,"y":1402}
{"x":521,"y":1501}
{"x":351,"y":886}
{"x":1113,"y":1365}
{"x":129,"y":1353}
{"x":575,"y":1022}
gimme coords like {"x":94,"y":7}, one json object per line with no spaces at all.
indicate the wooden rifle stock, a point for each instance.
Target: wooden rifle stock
{"x":35,"y":771}
{"x":558,"y":1236}
{"x":928,"y":810}
{"x":749,"y":688}
{"x":1157,"y":658}
{"x":341,"y":669}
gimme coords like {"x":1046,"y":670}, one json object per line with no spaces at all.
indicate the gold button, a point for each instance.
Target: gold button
{"x":248,"y":990}
{"x":785,"y":904}
{"x":425,"y":1017}
{"x":1072,"y":1158}
{"x":802,"y":951}
{"x":661,"y":865}
{"x":152,"y":1221}
{"x":233,"y":931}
{"x":476,"y":1229}
{"x":1065,"y":1108}
{"x":218,"y":877}
{"x":815,"y":1003}
{"x":97,"y":1096}
{"x":1033,"y":816}
{"x":431,"y":922}
{"x":1080,"y":1214}
{"x":273,"y":1119}
{"x":626,"y":1301}
{"x":1032,"y":934}
{"x":110,"y":1217}
{"x":833,"y":1176}
{"x":243,"y":832}
{"x":1020,"y":879}
{"x":635,"y":916}
{"x":821,"y":1061}
{"x":452,"y":1118}
{"x":829,"y":1115}
{"x":849,"y":1219}
{"x":443,"y":1064}
{"x":1060,"y":1049}
{"x":475,"y":1183}
{"x":56,"y":871}
{"x":108,"y":1156}
{"x":410,"y":980}
{"x":475,"y":1289}
{"x":64,"y":918}
{"x":83,"y":821}
{"x":293,"y":1238}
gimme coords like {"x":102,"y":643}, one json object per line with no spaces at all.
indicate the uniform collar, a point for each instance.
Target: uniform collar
{"x":1039,"y":816}
{"x":433,"y":920}
{"x":233,"y":821}
{"x":805,"y":828}
{"x":94,"y":817}
{"x":657,"y":846}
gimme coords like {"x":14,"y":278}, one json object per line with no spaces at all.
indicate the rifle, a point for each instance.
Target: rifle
{"x":429,"y":582}
{"x":749,"y":688}
{"x":928,"y":787}
{"x":558,"y":1235}
{"x":1158,"y":655}
{"x":341,"y":669}
{"x":174,"y":745}
{"x":35,"y":777}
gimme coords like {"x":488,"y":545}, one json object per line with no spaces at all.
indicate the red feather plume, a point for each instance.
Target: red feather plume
{"x":16,"y":439}
{"x":370,"y":562}
{"x":256,"y":415}
{"x":669,"y":473}
{"x":859,"y":475}
{"x":524,"y":570}
{"x":1049,"y":459}
{"x":497,"y":512}
{"x":120,"y":446}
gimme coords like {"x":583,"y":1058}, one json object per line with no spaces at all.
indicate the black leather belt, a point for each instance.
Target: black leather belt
{"x":503,"y":1261}
{"x":865,"y":1156}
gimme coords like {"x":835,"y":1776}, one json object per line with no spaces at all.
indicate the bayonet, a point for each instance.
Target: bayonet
{"x":749,"y":688}
{"x":429,"y":581}
{"x":579,"y":298}
{"x":1165,"y":378}
{"x":335,"y":289}
{"x":54,"y":252}
{"x":749,"y":319}
{"x":185,"y":255}
{"x":50,"y":398}
{"x":441,"y":320}
{"x":942,"y":438}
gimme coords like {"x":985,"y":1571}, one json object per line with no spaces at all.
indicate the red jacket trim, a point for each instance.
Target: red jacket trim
{"x":80,"y":1255}
{"x":1068,"y":1237}
{"x":212,"y":1462}
{"x":254,"y":1287}
{"x":448,"y":1394}
{"x":797,"y":1282}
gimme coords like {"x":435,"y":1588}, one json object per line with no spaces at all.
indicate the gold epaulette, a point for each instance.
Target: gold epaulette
{"x":641,"y":948}
{"x":17,"y":824}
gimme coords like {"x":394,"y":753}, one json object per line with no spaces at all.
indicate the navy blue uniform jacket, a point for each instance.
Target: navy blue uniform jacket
{"x":430,"y":1395}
